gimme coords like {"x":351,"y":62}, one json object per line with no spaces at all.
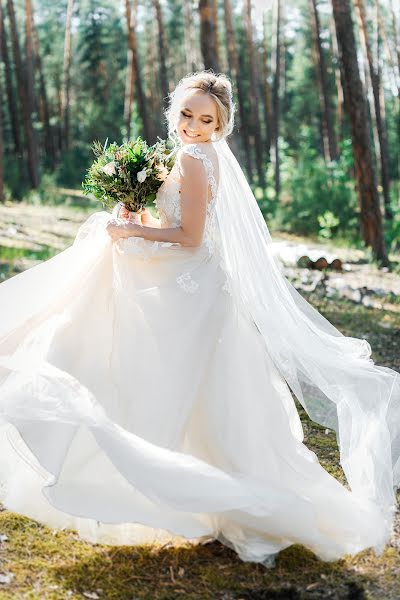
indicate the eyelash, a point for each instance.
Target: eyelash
{"x":182,"y":113}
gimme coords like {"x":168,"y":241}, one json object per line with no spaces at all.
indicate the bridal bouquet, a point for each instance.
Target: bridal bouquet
{"x":131,"y":173}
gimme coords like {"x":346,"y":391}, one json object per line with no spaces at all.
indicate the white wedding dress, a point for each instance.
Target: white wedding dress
{"x":138,"y":402}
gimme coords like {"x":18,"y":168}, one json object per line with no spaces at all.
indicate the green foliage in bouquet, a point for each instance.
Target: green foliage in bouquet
{"x":131,"y":173}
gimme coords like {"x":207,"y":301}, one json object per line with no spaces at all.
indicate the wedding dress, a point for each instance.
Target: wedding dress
{"x":140,"y":402}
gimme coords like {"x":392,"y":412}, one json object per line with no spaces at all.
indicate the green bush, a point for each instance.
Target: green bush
{"x":317,"y":198}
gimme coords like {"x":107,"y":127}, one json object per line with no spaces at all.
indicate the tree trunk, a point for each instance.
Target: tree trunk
{"x":267,"y":89}
{"x":396,"y":34}
{"x":208,"y":35}
{"x":385,"y":171}
{"x":234,"y":68}
{"x":394,"y":64}
{"x":217,"y":36}
{"x":1,"y":110}
{"x":276,"y":97}
{"x":29,"y":66}
{"x":189,"y":37}
{"x":370,"y":214}
{"x":338,"y":80}
{"x":153,"y":97}
{"x":254,"y":95}
{"x":44,"y":110}
{"x":11,"y":98}
{"x":24,"y":100}
{"x":162,"y":57}
{"x":131,"y":16}
{"x":328,"y":133}
{"x":382,"y":145}
{"x":66,"y":80}
{"x":137,"y":85}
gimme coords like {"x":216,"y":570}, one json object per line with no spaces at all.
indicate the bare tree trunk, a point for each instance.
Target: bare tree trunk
{"x":382,"y":145}
{"x":267,"y":90}
{"x":234,"y":68}
{"x":189,"y":37}
{"x":385,"y":171}
{"x":162,"y":48}
{"x":59,"y":126}
{"x":214,"y":5}
{"x":136,"y":77}
{"x":11,"y":98}
{"x":24,"y":99}
{"x":338,"y":80}
{"x":208,"y":35}
{"x":1,"y":109}
{"x":370,"y":214}
{"x":328,"y":133}
{"x":276,"y":96}
{"x":396,"y":33}
{"x":394,"y":65}
{"x":30,"y":67}
{"x":66,"y":80}
{"x":130,"y":68}
{"x":254,"y":95}
{"x":44,"y":110}
{"x":153,"y":96}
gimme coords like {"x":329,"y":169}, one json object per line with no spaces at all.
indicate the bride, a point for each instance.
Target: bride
{"x":147,"y":375}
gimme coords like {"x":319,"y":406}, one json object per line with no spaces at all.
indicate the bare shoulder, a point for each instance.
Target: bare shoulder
{"x":189,"y":164}
{"x":197,"y":151}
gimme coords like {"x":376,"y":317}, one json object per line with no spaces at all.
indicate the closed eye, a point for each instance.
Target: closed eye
{"x":185,"y":115}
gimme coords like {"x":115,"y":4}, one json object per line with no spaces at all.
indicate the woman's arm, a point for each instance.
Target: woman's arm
{"x":146,"y":218}
{"x":194,"y":197}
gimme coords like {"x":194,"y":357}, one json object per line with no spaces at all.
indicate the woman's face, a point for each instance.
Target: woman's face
{"x":197,"y":118}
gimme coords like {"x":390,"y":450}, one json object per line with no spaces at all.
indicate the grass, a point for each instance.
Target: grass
{"x":58,"y":565}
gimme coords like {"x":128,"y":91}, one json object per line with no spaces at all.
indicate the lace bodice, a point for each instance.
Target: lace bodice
{"x":168,"y":200}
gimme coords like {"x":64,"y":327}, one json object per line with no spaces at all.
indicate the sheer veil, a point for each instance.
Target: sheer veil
{"x":331,"y":375}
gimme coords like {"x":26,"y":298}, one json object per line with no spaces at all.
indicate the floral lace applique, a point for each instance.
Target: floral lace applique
{"x":227,"y":287}
{"x":168,"y":202}
{"x":186,"y":282}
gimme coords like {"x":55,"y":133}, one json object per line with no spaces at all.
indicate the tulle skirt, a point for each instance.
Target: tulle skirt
{"x":138,"y":403}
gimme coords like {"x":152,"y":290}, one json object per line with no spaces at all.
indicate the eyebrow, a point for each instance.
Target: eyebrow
{"x":210,"y":116}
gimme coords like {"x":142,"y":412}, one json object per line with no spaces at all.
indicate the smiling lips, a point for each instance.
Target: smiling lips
{"x":189,"y":135}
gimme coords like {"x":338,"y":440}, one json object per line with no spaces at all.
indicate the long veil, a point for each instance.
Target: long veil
{"x":331,"y":375}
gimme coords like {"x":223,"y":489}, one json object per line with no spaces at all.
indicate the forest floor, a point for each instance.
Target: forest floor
{"x":37,"y":562}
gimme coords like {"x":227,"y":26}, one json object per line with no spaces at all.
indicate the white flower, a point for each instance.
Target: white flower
{"x":109,"y":168}
{"x":141,"y":176}
{"x":162,"y":173}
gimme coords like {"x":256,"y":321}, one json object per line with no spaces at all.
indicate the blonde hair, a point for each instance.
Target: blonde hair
{"x":219,"y":88}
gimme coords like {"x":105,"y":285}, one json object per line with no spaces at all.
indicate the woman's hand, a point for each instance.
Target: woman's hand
{"x":119,"y":229}
{"x":133,"y":217}
{"x":147,"y":217}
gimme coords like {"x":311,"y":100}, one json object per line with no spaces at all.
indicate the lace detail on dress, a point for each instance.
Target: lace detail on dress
{"x":168,"y":203}
{"x":186,"y":282}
